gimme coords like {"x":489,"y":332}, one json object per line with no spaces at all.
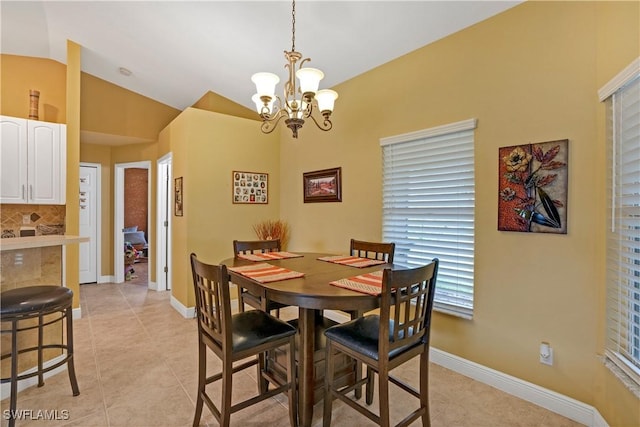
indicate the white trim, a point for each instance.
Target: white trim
{"x":545,"y":398}
{"x":154,"y":286}
{"x":431,"y":132}
{"x":5,"y":391}
{"x":76,"y":313}
{"x":623,"y":77}
{"x":186,"y":312}
{"x":107,"y":279}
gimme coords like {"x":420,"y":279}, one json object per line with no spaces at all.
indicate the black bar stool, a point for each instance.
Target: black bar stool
{"x":18,"y":305}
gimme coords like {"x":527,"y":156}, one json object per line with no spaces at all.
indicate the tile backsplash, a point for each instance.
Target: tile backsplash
{"x":46,"y":219}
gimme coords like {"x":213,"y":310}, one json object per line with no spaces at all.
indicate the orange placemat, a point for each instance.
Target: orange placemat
{"x":264,"y":272}
{"x":352,"y":261}
{"x":268,"y":256}
{"x":370,"y":283}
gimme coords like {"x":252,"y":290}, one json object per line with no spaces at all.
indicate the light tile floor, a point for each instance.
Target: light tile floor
{"x":136,"y":364}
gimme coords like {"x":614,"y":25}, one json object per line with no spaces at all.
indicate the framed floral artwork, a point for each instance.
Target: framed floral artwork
{"x":322,"y":186}
{"x":532,"y":193}
{"x":250,"y":187}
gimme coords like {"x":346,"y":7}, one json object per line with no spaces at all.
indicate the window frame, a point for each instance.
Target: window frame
{"x":619,"y":302}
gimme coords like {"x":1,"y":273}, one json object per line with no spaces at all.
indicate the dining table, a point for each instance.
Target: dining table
{"x":312,"y":293}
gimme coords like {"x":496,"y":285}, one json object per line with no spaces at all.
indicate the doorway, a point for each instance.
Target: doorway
{"x":119,"y":216}
{"x":89,"y":221}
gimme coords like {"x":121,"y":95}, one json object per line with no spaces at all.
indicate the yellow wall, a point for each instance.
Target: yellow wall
{"x":530,"y":74}
{"x":19,"y":74}
{"x":110,"y":109}
{"x":206,"y":148}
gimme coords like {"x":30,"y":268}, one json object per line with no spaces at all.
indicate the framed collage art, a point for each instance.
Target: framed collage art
{"x":250,"y":187}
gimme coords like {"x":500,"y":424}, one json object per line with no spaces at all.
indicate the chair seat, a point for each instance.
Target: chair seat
{"x":33,"y":299}
{"x":255,"y":327}
{"x":361,"y":335}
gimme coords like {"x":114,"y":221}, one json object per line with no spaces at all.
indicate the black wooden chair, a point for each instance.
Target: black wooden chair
{"x":244,"y":296}
{"x":248,"y":335}
{"x":385,"y":341}
{"x":373,"y":250}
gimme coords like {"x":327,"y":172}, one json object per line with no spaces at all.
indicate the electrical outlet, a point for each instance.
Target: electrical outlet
{"x":26,"y":219}
{"x":546,"y":354}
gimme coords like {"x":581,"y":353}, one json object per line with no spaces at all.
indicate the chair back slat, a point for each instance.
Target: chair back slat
{"x":373,"y":250}
{"x":407,"y":301}
{"x":213,"y":301}
{"x":255,"y":246}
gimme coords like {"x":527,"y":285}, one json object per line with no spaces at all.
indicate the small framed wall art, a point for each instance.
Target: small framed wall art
{"x":250,"y":187}
{"x":322,"y":186}
{"x":177,"y":197}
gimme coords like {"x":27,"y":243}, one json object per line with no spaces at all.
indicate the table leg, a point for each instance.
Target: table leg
{"x":307,"y":325}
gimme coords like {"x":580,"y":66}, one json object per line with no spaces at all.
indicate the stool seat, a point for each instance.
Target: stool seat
{"x":33,"y":299}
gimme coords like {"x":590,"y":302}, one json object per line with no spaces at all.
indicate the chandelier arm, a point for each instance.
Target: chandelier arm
{"x":269,"y":125}
{"x":326,"y":123}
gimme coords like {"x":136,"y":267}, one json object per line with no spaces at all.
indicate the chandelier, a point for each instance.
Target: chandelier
{"x":299,"y":102}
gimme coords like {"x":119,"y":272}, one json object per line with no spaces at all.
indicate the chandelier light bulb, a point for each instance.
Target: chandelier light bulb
{"x":265,"y":83}
{"x":309,"y":79}
{"x":326,"y":99}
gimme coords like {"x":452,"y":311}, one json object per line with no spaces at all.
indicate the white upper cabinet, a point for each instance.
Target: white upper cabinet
{"x":33,"y":161}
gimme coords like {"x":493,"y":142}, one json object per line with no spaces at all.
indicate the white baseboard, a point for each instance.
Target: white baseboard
{"x":548,"y":399}
{"x":154,"y":286}
{"x":77,"y":313}
{"x":186,"y":312}
{"x":5,"y":392}
{"x":106,"y":279}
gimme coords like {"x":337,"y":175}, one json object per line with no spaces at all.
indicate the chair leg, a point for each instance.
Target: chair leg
{"x":291,"y":378}
{"x":70,"y":363}
{"x":40,"y":343}
{"x":328,"y":384}
{"x":263,"y":383}
{"x":371,"y":382}
{"x":227,"y":387}
{"x":358,"y":391}
{"x":424,"y":388}
{"x":202,"y":371}
{"x":14,"y":373}
{"x":383,"y":397}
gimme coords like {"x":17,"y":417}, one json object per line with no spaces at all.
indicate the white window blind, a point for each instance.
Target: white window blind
{"x":623,"y":235}
{"x":428,"y":201}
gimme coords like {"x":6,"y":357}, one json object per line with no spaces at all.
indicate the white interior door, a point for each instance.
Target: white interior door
{"x":163,"y":230}
{"x":89,"y":223}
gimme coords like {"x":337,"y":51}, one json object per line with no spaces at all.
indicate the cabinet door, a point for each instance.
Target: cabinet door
{"x":44,"y":166}
{"x":13,"y":160}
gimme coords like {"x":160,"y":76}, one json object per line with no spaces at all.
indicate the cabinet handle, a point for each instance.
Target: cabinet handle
{"x":23,"y":187}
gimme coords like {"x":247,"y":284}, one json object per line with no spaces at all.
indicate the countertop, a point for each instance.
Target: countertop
{"x":14,"y":243}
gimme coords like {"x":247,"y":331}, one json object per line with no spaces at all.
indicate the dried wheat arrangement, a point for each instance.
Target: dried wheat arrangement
{"x":273,"y":229}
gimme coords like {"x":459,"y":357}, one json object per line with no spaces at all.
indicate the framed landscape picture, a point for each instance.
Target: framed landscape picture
{"x":250,"y":187}
{"x":322,"y":186}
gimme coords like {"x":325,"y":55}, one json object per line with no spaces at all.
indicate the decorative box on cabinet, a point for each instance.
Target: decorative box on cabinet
{"x":33,"y":161}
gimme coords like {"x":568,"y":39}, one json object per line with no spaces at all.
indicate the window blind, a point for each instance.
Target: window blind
{"x":623,"y":235}
{"x":428,"y":198}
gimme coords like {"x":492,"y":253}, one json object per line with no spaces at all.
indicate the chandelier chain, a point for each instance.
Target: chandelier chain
{"x":293,"y":25}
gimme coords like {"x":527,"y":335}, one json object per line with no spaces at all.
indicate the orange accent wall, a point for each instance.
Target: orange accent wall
{"x":136,"y":194}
